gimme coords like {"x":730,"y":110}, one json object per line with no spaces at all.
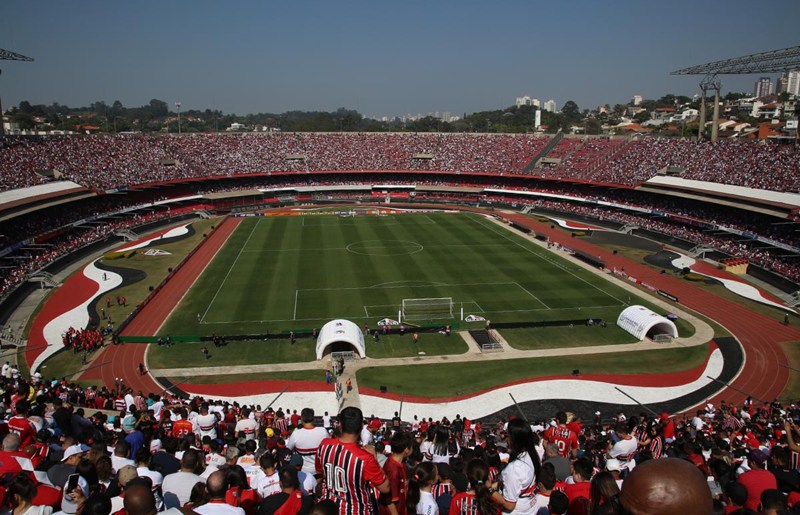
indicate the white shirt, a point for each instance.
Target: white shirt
{"x":117,"y":462}
{"x":326,"y":421}
{"x":206,"y":425}
{"x":268,"y":485}
{"x":308,"y":483}
{"x":157,"y":408}
{"x":541,"y":505}
{"x":519,"y":482}
{"x":427,"y":504}
{"x":177,"y":488}
{"x":305,"y":442}
{"x":624,"y":449}
{"x":366,"y":436}
{"x":157,"y":479}
{"x":218,"y":508}
{"x":248,"y":426}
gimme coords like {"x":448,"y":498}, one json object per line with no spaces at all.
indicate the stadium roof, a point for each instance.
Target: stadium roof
{"x":773,"y":61}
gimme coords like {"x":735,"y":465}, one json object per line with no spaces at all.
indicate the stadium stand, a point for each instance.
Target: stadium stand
{"x":137,"y":169}
{"x":247,"y":457}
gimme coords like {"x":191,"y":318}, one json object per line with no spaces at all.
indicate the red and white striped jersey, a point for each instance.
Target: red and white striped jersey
{"x":349,"y":476}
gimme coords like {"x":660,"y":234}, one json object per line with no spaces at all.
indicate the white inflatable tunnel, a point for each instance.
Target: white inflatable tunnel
{"x":340,"y":335}
{"x":643,"y":322}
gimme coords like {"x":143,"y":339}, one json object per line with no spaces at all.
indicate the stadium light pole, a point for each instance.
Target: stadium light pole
{"x":178,"y":107}
{"x":8,"y":55}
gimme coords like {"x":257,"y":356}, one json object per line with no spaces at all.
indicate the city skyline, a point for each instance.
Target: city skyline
{"x":382,"y":60}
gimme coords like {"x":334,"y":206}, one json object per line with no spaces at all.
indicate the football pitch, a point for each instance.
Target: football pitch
{"x":282,"y":273}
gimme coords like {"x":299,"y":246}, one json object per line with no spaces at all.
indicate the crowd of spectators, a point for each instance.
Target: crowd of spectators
{"x":770,"y":258}
{"x":111,"y":161}
{"x":219,"y":457}
{"x":106,"y":161}
{"x":33,"y":258}
{"x":82,"y":340}
{"x":748,"y":163}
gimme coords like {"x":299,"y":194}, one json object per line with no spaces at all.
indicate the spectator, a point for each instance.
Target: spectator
{"x":178,"y":486}
{"x":290,"y":500}
{"x":757,"y":479}
{"x":666,"y":487}
{"x":217,"y":487}
{"x":351,"y":491}
{"x":519,"y":476}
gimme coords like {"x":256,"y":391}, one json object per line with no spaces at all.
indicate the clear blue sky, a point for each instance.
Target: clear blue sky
{"x":379,"y":57}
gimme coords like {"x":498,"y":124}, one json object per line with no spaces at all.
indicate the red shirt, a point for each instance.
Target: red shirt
{"x":181,"y":428}
{"x":349,"y":475}
{"x":398,"y":484}
{"x":465,"y":503}
{"x":563,"y":437}
{"x":245,"y":499}
{"x":25,"y":430}
{"x":574,"y":493}
{"x":755,"y":481}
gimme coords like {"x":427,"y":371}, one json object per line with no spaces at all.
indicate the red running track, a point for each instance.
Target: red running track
{"x":124,"y":359}
{"x":762,"y":374}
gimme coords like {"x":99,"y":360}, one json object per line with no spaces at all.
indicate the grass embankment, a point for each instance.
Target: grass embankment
{"x":186,"y":355}
{"x":447,"y":380}
{"x":154,"y":268}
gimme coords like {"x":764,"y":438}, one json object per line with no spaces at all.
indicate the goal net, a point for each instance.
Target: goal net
{"x":427,"y":309}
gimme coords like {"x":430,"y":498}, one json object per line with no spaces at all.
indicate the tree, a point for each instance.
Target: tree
{"x":641,"y":117}
{"x":158,"y":108}
{"x":593,"y":126}
{"x":571,"y":111}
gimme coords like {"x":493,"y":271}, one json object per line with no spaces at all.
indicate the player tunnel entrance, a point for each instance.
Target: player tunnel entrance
{"x":340,"y":336}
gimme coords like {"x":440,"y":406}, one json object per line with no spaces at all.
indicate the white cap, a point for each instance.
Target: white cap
{"x":72,"y":450}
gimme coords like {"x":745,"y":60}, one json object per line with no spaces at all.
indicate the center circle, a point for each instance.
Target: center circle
{"x":384,"y":247}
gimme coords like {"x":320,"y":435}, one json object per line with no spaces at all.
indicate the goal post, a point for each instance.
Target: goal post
{"x":427,"y":308}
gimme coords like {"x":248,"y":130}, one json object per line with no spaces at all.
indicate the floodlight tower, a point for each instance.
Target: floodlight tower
{"x":178,"y":107}
{"x":773,"y":61}
{"x":8,"y":55}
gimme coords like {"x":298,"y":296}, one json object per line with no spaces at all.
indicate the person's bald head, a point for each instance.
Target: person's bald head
{"x":11,"y":442}
{"x":139,"y":500}
{"x":665,"y":487}
{"x":217,"y":484}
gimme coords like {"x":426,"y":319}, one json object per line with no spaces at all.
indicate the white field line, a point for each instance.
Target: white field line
{"x":233,"y":265}
{"x":197,"y":277}
{"x":532,"y":310}
{"x":444,"y":246}
{"x":553,"y":262}
{"x":405,"y":286}
{"x":532,"y":295}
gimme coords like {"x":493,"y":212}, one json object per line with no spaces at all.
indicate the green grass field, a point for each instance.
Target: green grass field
{"x":277,"y":274}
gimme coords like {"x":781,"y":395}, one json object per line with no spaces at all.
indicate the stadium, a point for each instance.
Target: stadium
{"x":414,"y":275}
{"x":482,"y":231}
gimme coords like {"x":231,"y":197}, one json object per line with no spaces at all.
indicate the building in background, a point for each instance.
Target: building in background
{"x":764,"y":87}
{"x":636,"y":100}
{"x":793,"y":83}
{"x":550,"y":106}
{"x":527,"y":101}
